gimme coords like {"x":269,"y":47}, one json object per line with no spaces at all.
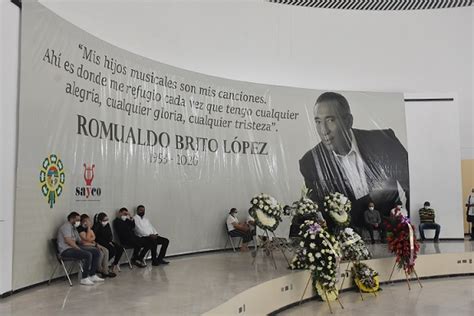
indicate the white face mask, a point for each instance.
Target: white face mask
{"x":427,"y":206}
{"x":104,"y":223}
{"x":77,"y":224}
{"x":371,"y":208}
{"x":124,"y":217}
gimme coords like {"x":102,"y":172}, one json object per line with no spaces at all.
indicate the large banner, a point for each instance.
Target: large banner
{"x":101,"y":128}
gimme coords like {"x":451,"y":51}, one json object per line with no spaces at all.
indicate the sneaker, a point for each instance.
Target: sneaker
{"x":95,"y":278}
{"x":86,"y":281}
{"x":163,"y":262}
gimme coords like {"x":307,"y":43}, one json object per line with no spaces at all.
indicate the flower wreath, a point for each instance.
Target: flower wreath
{"x":320,"y":254}
{"x":266,"y":211}
{"x":305,"y":206}
{"x":402,"y":242}
{"x":365,"y":278}
{"x":352,"y":246}
{"x":338,"y":207}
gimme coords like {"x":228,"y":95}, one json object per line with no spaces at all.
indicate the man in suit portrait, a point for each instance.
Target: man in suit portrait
{"x":364,"y":165}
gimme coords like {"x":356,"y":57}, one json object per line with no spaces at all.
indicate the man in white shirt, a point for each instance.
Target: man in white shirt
{"x":470,"y":212}
{"x":145,"y":230}
{"x":364,"y":165}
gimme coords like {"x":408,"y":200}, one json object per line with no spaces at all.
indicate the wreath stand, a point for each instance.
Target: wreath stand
{"x":346,"y":272}
{"x":407,"y":276}
{"x":268,"y":246}
{"x":325,"y":294}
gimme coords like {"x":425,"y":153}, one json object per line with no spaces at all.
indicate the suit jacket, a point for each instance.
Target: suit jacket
{"x":385,"y":160}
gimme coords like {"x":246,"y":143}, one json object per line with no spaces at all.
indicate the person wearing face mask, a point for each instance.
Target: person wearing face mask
{"x":89,"y":240}
{"x":398,"y":210}
{"x":70,"y":246}
{"x":124,"y":226}
{"x":373,"y":221}
{"x":427,"y":221}
{"x":104,"y":237}
{"x":237,"y":229}
{"x":145,"y":230}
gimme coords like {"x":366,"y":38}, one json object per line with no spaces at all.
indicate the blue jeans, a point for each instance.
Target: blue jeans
{"x":88,"y":255}
{"x":424,"y":226}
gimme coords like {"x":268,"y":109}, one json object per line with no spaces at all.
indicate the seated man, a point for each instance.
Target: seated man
{"x":398,"y":210}
{"x":372,"y":221}
{"x":69,"y":245}
{"x":124,"y":226}
{"x":237,"y":229}
{"x":149,"y":235}
{"x":427,"y":221}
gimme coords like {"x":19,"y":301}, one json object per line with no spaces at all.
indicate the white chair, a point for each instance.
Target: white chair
{"x":230,"y":239}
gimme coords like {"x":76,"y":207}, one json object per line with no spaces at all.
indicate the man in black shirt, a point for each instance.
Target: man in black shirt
{"x":124,"y":226}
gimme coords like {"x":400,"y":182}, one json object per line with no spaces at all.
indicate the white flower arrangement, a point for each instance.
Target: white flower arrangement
{"x":320,"y":254}
{"x":266,"y":211}
{"x":305,"y":206}
{"x":338,"y":207}
{"x":352,"y":246}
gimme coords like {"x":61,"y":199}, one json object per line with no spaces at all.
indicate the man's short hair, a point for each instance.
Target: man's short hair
{"x":123,"y":209}
{"x":427,"y":203}
{"x":140,"y":206}
{"x":232,"y":210}
{"x":72,"y":215}
{"x":334,"y":96}
{"x":84,"y":216}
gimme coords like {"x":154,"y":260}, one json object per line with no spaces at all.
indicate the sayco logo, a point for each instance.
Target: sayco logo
{"x":52,"y":178}
{"x":88,"y":192}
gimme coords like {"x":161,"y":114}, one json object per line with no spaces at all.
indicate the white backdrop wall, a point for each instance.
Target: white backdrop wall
{"x":9,"y":48}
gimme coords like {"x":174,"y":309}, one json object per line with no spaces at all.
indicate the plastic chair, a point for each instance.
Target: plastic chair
{"x":230,"y":239}
{"x":61,"y":261}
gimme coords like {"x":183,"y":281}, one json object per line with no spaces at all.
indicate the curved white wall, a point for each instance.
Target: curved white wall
{"x":252,"y":40}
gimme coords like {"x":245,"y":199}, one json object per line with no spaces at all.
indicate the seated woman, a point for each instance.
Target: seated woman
{"x":88,"y":240}
{"x":104,"y":237}
{"x":237,"y":229}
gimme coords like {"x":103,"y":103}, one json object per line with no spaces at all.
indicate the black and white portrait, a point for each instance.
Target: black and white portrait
{"x":365,"y":165}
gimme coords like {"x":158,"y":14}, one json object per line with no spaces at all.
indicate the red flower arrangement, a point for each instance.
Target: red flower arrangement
{"x":402,"y":242}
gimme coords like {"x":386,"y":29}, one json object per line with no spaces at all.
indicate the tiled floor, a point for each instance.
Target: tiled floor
{"x":194,"y":284}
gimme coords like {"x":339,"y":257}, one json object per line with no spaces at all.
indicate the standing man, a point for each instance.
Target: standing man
{"x":70,"y":246}
{"x":364,"y":165}
{"x":373,"y":221}
{"x":124,"y":227}
{"x":427,"y":221}
{"x":470,"y":212}
{"x":145,"y":230}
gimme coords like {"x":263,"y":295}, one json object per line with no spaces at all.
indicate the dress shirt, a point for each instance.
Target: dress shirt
{"x":353,"y":167}
{"x":143,"y":227}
